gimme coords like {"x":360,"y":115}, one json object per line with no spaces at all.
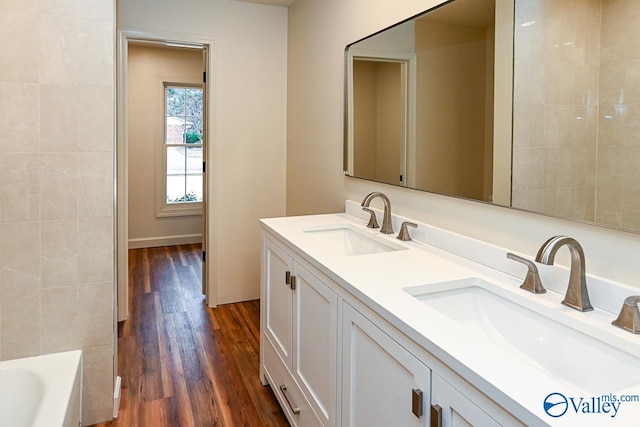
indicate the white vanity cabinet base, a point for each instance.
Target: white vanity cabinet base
{"x":379,"y":377}
{"x":276,"y":301}
{"x":292,"y":401}
{"x":315,"y":326}
{"x":299,"y":315}
{"x":332,"y":360}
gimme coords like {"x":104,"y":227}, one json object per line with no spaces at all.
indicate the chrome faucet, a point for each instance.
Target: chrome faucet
{"x":531,"y":281}
{"x":386,"y":228}
{"x":404,"y":231}
{"x":629,"y":317}
{"x":577,"y":296}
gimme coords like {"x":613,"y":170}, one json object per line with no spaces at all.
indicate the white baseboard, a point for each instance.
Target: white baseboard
{"x":239,"y":297}
{"x":152,"y":242}
{"x":116,"y":397}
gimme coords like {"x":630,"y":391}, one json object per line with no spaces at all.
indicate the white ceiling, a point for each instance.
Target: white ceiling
{"x":285,"y":3}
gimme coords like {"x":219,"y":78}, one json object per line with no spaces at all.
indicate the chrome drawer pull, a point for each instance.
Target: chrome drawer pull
{"x":294,"y":408}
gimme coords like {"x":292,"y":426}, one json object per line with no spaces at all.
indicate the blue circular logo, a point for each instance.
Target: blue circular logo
{"x":556,"y":405}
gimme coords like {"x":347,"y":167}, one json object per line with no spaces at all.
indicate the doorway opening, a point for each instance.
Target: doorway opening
{"x":164,"y":111}
{"x":381,"y":89}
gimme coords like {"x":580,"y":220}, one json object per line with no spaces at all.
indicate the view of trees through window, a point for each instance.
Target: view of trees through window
{"x":183,"y":143}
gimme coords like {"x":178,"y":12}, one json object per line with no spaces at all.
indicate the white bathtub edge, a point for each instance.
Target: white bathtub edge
{"x":65,"y":371}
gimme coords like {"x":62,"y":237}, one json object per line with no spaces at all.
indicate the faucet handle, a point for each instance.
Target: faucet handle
{"x":532,"y":281}
{"x":629,"y":317}
{"x":373,"y":221}
{"x":404,"y":233}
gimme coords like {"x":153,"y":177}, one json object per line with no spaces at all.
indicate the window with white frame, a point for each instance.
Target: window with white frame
{"x":182,"y":148}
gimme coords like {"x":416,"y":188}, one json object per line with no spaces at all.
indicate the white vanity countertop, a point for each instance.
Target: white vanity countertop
{"x":378,"y":280}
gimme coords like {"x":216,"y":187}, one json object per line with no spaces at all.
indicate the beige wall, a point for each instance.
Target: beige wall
{"x":377,"y":98}
{"x":451,"y":96}
{"x":318,"y":33}
{"x":365,"y":113}
{"x":249,"y":135}
{"x":389,"y":121}
{"x":489,"y":109}
{"x":56,"y":187}
{"x":148,"y":68}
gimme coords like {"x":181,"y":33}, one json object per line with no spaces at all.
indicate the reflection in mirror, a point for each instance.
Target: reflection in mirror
{"x":378,"y":101}
{"x":421,"y":103}
{"x":567,"y":73}
{"x":454,"y":136}
{"x":576,"y":146}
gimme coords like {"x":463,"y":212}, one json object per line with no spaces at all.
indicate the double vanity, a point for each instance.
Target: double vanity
{"x":360,"y":328}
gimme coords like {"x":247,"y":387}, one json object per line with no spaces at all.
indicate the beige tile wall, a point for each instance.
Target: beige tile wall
{"x":618,"y":176}
{"x":578,"y":79}
{"x":56,"y":186}
{"x":556,"y":73}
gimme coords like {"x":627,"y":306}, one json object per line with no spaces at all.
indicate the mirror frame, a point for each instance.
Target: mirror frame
{"x":348,"y":158}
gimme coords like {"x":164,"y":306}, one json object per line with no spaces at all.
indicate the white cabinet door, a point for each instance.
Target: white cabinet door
{"x":315,"y":326}
{"x":278,"y":300}
{"x":456,"y":410}
{"x":381,"y":379}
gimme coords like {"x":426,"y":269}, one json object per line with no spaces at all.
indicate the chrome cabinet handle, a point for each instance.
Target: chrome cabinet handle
{"x":294,"y":408}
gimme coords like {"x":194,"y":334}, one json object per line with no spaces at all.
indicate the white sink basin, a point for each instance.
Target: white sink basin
{"x":559,"y":350}
{"x":351,"y":241}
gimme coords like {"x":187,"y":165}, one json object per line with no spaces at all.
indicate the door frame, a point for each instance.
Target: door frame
{"x":210,"y":207}
{"x":409,"y":64}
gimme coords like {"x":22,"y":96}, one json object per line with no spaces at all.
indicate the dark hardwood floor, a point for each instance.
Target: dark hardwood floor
{"x":183,"y":364}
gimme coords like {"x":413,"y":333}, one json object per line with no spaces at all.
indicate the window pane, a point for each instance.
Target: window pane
{"x":176,"y":98}
{"x":175,"y":130}
{"x":176,"y":160}
{"x":184,"y":127}
{"x":194,"y":160}
{"x":194,"y":187}
{"x":193,"y":130}
{"x":194,"y":102}
{"x":175,"y":188}
{"x":194,"y":116}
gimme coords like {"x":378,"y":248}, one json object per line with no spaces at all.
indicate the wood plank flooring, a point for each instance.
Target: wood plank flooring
{"x":183,"y":364}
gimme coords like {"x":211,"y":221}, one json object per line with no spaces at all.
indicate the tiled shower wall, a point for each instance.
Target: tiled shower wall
{"x":56,"y":186}
{"x":618,"y":171}
{"x":576,"y":146}
{"x":557,"y":46}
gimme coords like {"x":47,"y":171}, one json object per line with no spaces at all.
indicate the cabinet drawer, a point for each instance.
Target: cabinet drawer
{"x":291,"y":399}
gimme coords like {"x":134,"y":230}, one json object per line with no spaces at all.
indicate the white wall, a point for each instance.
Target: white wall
{"x":250,"y":128}
{"x":318,"y":33}
{"x":148,"y":67}
{"x":56,"y":187}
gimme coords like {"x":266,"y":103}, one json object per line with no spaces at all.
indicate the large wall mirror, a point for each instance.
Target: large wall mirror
{"x":530,"y":104}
